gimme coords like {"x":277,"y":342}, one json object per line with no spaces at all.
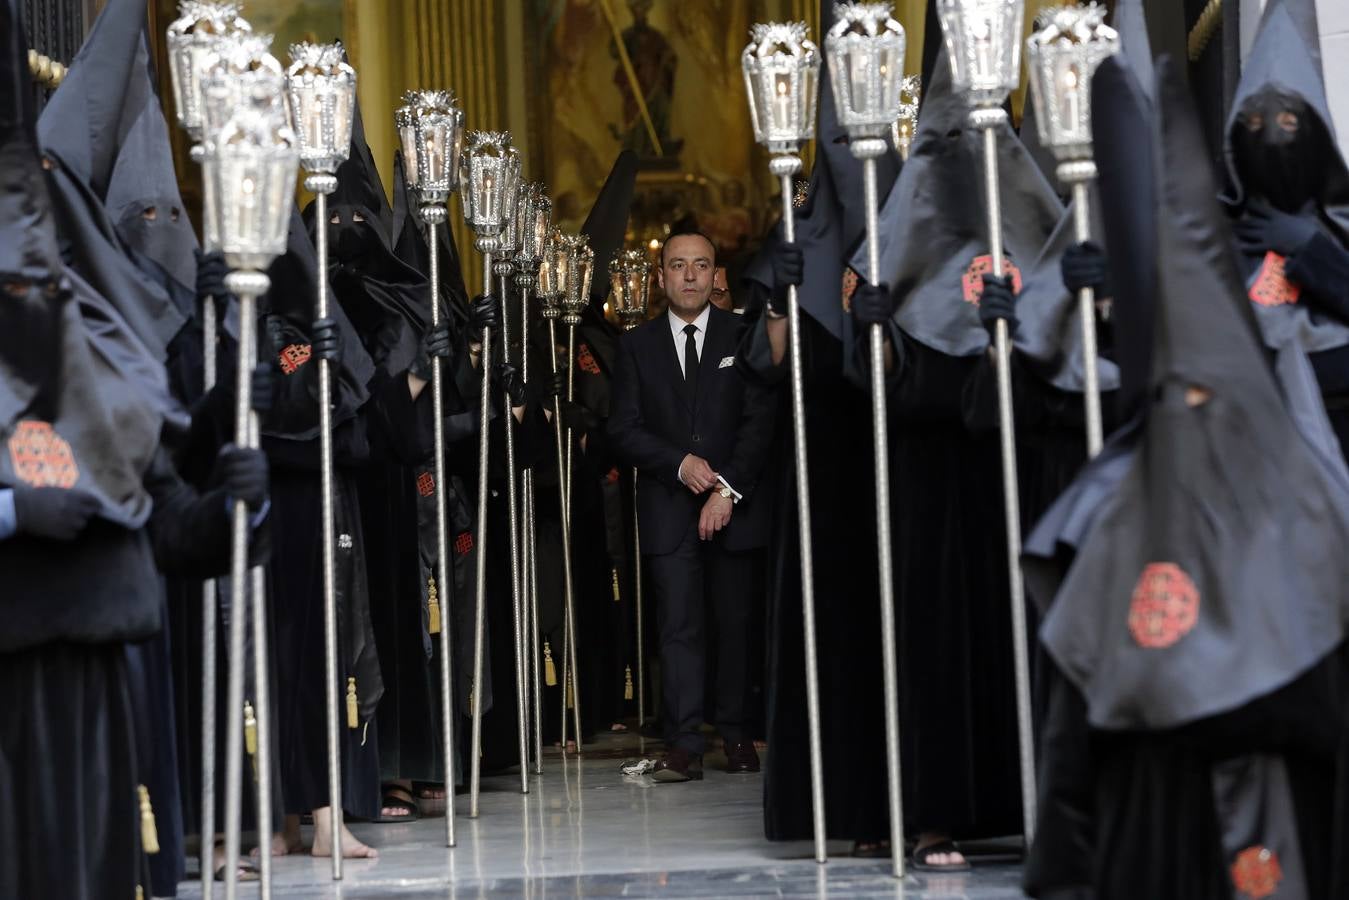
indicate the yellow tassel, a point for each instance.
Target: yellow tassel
{"x":549,"y":670}
{"x":627,"y":682}
{"x":571,"y":695}
{"x":353,"y":713}
{"x":149,"y":833}
{"x":250,"y":730}
{"x":618,"y":598}
{"x":432,"y":606}
{"x":140,"y":892}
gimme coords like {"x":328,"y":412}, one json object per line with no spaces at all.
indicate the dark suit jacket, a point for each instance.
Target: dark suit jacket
{"x":653,"y":424}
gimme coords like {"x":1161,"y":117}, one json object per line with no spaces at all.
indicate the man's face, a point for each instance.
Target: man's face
{"x":721,"y":292}
{"x":686,"y":273}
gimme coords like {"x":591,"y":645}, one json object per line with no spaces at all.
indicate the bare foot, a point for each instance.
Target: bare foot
{"x":398,"y":802}
{"x":951,"y":858}
{"x":323,"y":839}
{"x":761,"y":746}
{"x":429,"y":792}
{"x":282,"y":845}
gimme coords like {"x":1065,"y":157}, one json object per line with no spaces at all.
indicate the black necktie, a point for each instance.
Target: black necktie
{"x":690,"y":360}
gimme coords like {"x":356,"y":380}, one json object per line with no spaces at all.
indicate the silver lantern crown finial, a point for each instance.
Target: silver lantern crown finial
{"x":430,"y":131}
{"x":192,"y":41}
{"x":984,"y":44}
{"x":1063,"y":55}
{"x":245,"y":73}
{"x":252,"y":164}
{"x":321,"y":87}
{"x":490,"y":173}
{"x":782,"y":73}
{"x":865,"y":47}
{"x":630,"y":282}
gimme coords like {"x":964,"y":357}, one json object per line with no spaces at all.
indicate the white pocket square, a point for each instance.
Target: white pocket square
{"x":726,"y":361}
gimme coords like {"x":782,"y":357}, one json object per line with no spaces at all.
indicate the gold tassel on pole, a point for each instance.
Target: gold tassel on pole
{"x":353,"y":708}
{"x":571,"y":694}
{"x":549,"y":670}
{"x":149,"y":833}
{"x":432,"y":606}
{"x":627,"y":682}
{"x":618,"y":597}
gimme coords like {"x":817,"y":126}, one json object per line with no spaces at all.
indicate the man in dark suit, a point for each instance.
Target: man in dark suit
{"x":698,"y":434}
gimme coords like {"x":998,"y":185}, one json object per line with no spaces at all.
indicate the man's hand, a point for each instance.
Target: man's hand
{"x":697,"y":475}
{"x":715,"y":516}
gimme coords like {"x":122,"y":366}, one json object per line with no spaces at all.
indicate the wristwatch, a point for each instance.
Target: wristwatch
{"x":726,"y":492}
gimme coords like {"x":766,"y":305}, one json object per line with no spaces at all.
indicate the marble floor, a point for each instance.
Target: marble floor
{"x":587,"y":830}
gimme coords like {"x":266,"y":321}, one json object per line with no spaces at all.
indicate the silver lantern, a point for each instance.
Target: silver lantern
{"x":430,"y":132}
{"x":1063,"y":55}
{"x":906,"y":123}
{"x":983,"y":40}
{"x":533,"y":221}
{"x":782,"y":73}
{"x":253,"y":163}
{"x":630,"y":284}
{"x":782,"y":70}
{"x":490,"y":172}
{"x":865,"y":48}
{"x":553,"y":275}
{"x":244,"y":73}
{"x":866,"y":66}
{"x":321,"y":88}
{"x":192,"y":41}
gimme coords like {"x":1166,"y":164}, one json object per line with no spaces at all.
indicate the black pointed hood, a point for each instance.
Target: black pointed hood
{"x":1213,"y":576}
{"x":87,"y":118}
{"x":936,"y":227}
{"x":143,"y":199}
{"x":1304,"y":173}
{"x":1135,"y":46}
{"x":607,"y":222}
{"x":74,"y":408}
{"x":409,"y":242}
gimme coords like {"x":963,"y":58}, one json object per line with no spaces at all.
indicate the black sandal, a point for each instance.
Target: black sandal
{"x":921,"y":857}
{"x":397,"y":797}
{"x":248,"y":871}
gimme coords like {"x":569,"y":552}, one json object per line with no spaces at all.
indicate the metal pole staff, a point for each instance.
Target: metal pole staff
{"x":784,"y":167}
{"x":247,"y":286}
{"x":566,"y":525}
{"x":322,"y":185}
{"x":524,"y":280}
{"x":987,"y":120}
{"x":262,"y":710}
{"x":434,"y":215}
{"x":503,"y":268}
{"x":868,"y":150}
{"x":485,"y":245}
{"x":637,"y":585}
{"x":1080,"y":174}
{"x":570,"y":671}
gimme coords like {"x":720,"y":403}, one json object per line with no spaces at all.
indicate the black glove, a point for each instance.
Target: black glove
{"x":508,"y":379}
{"x":54,"y":513}
{"x":789,"y":265}
{"x":1084,"y":266}
{"x":872,"y":304}
{"x":577,"y":417}
{"x":211,"y":272}
{"x":243,"y":474}
{"x":325,"y":339}
{"x":264,"y":387}
{"x":554,"y":384}
{"x":997,"y":301}
{"x":435,"y":345}
{"x":483,"y":313}
{"x":1266,"y":228}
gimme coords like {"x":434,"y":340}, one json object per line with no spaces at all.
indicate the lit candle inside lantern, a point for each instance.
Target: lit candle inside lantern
{"x":1071,"y":98}
{"x":488,"y":197}
{"x":983,"y":49}
{"x":782,"y":106}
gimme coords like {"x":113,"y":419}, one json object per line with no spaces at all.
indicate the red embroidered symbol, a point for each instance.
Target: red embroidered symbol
{"x":972,"y":282}
{"x":612,"y":476}
{"x":1165,"y":606}
{"x":426,"y":484}
{"x":463,"y":543}
{"x":1271,"y":286}
{"x":1256,"y":872}
{"x":586,"y":360}
{"x":42,"y":457}
{"x":295,"y":356}
{"x":849,"y":288}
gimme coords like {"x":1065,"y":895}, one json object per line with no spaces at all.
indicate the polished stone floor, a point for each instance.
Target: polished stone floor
{"x":587,"y":830}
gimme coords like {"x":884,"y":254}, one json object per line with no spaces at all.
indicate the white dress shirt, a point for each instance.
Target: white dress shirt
{"x":677,"y":326}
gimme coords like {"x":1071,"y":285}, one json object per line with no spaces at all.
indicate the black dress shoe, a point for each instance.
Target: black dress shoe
{"x":678,"y":765}
{"x":741,"y":758}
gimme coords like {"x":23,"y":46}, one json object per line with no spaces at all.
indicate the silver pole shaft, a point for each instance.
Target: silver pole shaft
{"x":566,"y":526}
{"x":572,"y":636}
{"x":532,"y":564}
{"x":262,"y":713}
{"x":234,"y":705}
{"x":637,"y":584}
{"x":329,"y":543}
{"x":803,"y":521}
{"x":480,"y":613}
{"x":513,"y":510}
{"x":209,"y":613}
{"x":448,"y":712}
{"x":1086,"y":301}
{"x":1011,"y":500}
{"x":884,"y":548}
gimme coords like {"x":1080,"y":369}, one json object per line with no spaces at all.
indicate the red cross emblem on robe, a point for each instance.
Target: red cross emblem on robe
{"x":972,"y":282}
{"x":41,"y":457}
{"x":1256,"y":873}
{"x":1271,"y":286}
{"x":1165,"y":606}
{"x":294,"y":356}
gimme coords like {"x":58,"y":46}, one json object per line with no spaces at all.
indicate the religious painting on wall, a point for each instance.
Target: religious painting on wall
{"x":291,"y":21}
{"x":663,"y":79}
